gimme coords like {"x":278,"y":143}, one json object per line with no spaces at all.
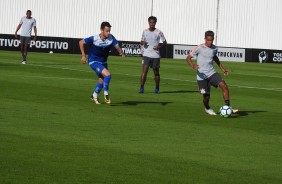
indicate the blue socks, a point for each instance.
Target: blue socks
{"x":107,"y":80}
{"x":98,"y":88}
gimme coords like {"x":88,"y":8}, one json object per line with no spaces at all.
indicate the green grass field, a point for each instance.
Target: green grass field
{"x":51,"y":132}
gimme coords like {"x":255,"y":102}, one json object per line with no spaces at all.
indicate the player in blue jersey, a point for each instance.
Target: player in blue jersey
{"x":206,"y":74}
{"x":99,"y":48}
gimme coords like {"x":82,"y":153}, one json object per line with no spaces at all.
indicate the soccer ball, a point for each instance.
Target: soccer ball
{"x":225,"y":111}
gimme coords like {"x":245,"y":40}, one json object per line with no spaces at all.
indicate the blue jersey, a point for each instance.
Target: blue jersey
{"x":99,"y":48}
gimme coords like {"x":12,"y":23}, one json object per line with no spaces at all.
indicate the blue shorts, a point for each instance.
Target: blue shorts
{"x":98,"y":68}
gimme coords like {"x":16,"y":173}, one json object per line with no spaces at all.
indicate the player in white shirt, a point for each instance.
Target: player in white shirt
{"x":26,"y":24}
{"x":150,"y":42}
{"x":206,"y":74}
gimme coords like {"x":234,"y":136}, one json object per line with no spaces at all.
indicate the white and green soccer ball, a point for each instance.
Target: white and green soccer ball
{"x":225,"y":111}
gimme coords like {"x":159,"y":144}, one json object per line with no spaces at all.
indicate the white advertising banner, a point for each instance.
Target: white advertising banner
{"x":224,"y":54}
{"x":231,"y":54}
{"x":182,"y":51}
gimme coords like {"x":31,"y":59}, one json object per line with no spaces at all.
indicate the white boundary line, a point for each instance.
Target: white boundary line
{"x":192,"y":81}
{"x":18,"y":62}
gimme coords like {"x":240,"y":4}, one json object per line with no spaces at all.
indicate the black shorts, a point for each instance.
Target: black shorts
{"x":205,"y":85}
{"x":25,"y":40}
{"x":152,"y":62}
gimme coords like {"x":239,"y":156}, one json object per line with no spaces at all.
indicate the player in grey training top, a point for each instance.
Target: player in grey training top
{"x":206,"y":74}
{"x":150,"y":42}
{"x":26,"y":24}
{"x":205,"y":57}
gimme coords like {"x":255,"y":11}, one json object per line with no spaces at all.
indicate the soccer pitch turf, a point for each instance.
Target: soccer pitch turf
{"x":51,"y":132}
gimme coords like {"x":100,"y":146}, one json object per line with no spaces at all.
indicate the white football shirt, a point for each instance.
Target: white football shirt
{"x":204,"y":60}
{"x":27,"y":25}
{"x":153,"y":39}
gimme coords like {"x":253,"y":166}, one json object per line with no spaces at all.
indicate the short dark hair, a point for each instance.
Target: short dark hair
{"x":28,"y":11}
{"x":209,"y":33}
{"x":152,"y":18}
{"x":105,"y":24}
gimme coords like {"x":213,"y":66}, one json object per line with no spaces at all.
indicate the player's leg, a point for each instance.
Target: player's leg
{"x":156,"y":69}
{"x":25,"y":52}
{"x":225,"y":92}
{"x":208,"y":109}
{"x":97,"y":68}
{"x":216,"y":80}
{"x":206,"y":100}
{"x":107,"y":78}
{"x":27,"y":42}
{"x":145,"y":69}
{"x":204,"y":89}
{"x":97,"y":90}
{"x":22,"y":45}
{"x":157,"y":79}
{"x":22,"y":52}
{"x":143,"y":78}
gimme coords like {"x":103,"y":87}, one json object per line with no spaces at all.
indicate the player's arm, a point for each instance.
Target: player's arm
{"x":189,"y":61}
{"x":160,"y":45}
{"x":164,"y":42}
{"x":120,"y":52}
{"x":35,"y":32}
{"x":215,"y":58}
{"x":18,"y":28}
{"x":116,"y":45}
{"x":83,"y":55}
{"x":143,"y":42}
{"x":143,"y":39}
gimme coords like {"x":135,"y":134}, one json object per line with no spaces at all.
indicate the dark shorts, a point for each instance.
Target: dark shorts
{"x":205,"y":85}
{"x":98,"y":68}
{"x":152,"y":62}
{"x":25,"y":40}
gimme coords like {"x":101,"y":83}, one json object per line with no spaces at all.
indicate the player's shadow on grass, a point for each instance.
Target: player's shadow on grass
{"x":245,"y":113}
{"x":180,"y":91}
{"x":140,"y":102}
